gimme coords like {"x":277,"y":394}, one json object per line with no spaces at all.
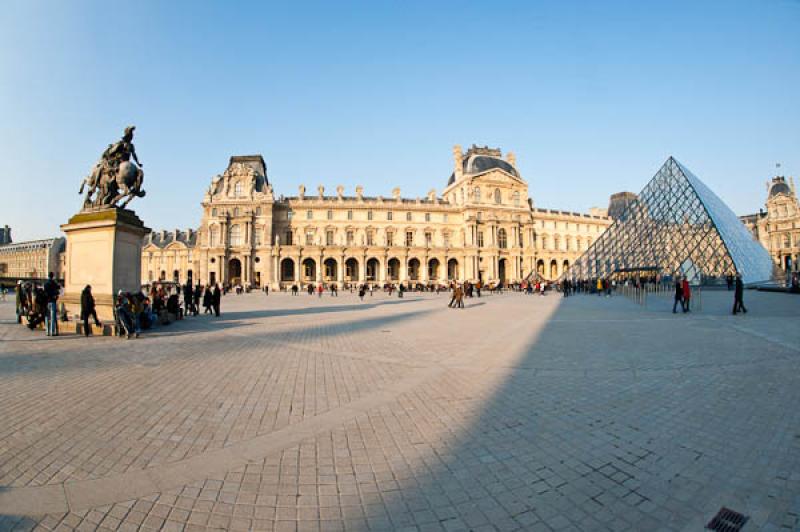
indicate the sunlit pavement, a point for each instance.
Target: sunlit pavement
{"x":515,"y":413}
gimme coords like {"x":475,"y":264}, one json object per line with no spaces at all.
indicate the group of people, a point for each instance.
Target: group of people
{"x":683,"y":294}
{"x":39,"y":304}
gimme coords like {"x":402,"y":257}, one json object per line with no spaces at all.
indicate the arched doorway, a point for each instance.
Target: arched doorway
{"x":452,"y":270}
{"x":287,"y":270}
{"x":309,"y":270}
{"x":235,"y":271}
{"x":372,"y":269}
{"x":433,"y":269}
{"x":351,"y":270}
{"x":413,"y":269}
{"x":176,"y":276}
{"x":330,"y":269}
{"x":501,"y":270}
{"x":553,"y":269}
{"x":540,"y":267}
{"x":393,"y":269}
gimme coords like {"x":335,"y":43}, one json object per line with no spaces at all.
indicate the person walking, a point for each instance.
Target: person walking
{"x":208,"y":300}
{"x":217,"y":299}
{"x":687,"y":294}
{"x":188,"y":298}
{"x":198,"y":293}
{"x":361,"y":292}
{"x":52,"y":290}
{"x":678,"y":295}
{"x":459,"y":295}
{"x":453,"y":297}
{"x":294,"y":290}
{"x":738,"y":295}
{"x":88,"y":310}
{"x":320,"y":289}
{"x":20,"y":301}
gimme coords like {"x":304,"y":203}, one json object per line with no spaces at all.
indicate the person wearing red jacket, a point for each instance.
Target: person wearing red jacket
{"x":687,"y":294}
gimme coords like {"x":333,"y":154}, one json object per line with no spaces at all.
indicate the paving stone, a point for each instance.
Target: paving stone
{"x":519,"y":412}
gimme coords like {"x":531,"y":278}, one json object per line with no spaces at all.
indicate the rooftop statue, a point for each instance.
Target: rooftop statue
{"x":115,"y":177}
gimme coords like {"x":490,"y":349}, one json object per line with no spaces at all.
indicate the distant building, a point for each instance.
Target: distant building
{"x":778,"y":228}
{"x":619,"y":202}
{"x":5,"y":235}
{"x":483,"y":226}
{"x":33,"y":259}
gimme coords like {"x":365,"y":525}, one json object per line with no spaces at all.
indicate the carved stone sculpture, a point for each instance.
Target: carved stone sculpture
{"x":115,"y":177}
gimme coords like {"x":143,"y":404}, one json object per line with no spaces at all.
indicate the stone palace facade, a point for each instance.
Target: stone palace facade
{"x":778,"y":228}
{"x":483,"y":226}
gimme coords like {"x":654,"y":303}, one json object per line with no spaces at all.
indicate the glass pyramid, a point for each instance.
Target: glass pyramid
{"x":677,"y":226}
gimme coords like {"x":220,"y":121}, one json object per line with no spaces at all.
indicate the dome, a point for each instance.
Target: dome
{"x":779,"y":187}
{"x":481,"y":163}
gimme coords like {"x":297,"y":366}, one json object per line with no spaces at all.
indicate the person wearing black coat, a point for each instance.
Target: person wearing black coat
{"x":208,"y":300}
{"x":198,"y":293}
{"x":88,"y":309}
{"x":738,"y":296}
{"x":217,"y":299}
{"x":678,"y":294}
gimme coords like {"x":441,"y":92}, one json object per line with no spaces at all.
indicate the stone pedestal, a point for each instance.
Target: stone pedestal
{"x":104,"y":250}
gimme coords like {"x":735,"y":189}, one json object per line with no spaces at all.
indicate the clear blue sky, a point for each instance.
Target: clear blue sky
{"x":591,"y":96}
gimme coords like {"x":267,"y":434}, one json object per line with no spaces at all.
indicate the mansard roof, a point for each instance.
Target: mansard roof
{"x":164,"y":238}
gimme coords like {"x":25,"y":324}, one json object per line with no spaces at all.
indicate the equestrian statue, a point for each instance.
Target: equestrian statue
{"x":115,"y":177}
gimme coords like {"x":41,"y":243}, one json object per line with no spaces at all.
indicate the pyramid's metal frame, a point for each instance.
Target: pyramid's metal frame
{"x":677,"y":225}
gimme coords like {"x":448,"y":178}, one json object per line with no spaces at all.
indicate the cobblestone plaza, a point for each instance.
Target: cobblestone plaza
{"x":516,"y":413}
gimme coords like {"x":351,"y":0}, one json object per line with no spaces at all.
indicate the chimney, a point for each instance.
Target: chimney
{"x":511,"y":158}
{"x":458,"y":161}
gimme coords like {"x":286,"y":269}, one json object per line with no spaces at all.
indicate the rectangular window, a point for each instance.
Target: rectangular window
{"x":369,"y":215}
{"x":480,"y":216}
{"x":330,"y":215}
{"x":480,"y":239}
{"x":309,"y":238}
{"x":444,"y":218}
{"x":309,"y":215}
{"x":389,"y":216}
{"x":370,"y":238}
{"x":289,"y":215}
{"x":389,"y":238}
{"x":288,"y":238}
{"x":427,"y":217}
{"x":408,"y":217}
{"x":350,"y":238}
{"x":447,"y":240}
{"x":328,"y":238}
{"x":409,"y":238}
{"x":428,"y":239}
{"x":350,"y":215}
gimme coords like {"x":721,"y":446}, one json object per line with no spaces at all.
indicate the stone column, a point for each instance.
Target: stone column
{"x":340,"y":272}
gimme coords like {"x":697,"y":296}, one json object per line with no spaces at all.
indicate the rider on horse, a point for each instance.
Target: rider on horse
{"x":104,"y":178}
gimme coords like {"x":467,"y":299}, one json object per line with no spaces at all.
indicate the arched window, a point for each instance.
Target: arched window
{"x":477,"y":194}
{"x":556,"y":243}
{"x":236,"y":235}
{"x":544,"y":242}
{"x":516,"y":198}
{"x":498,"y":197}
{"x":502,"y":239}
